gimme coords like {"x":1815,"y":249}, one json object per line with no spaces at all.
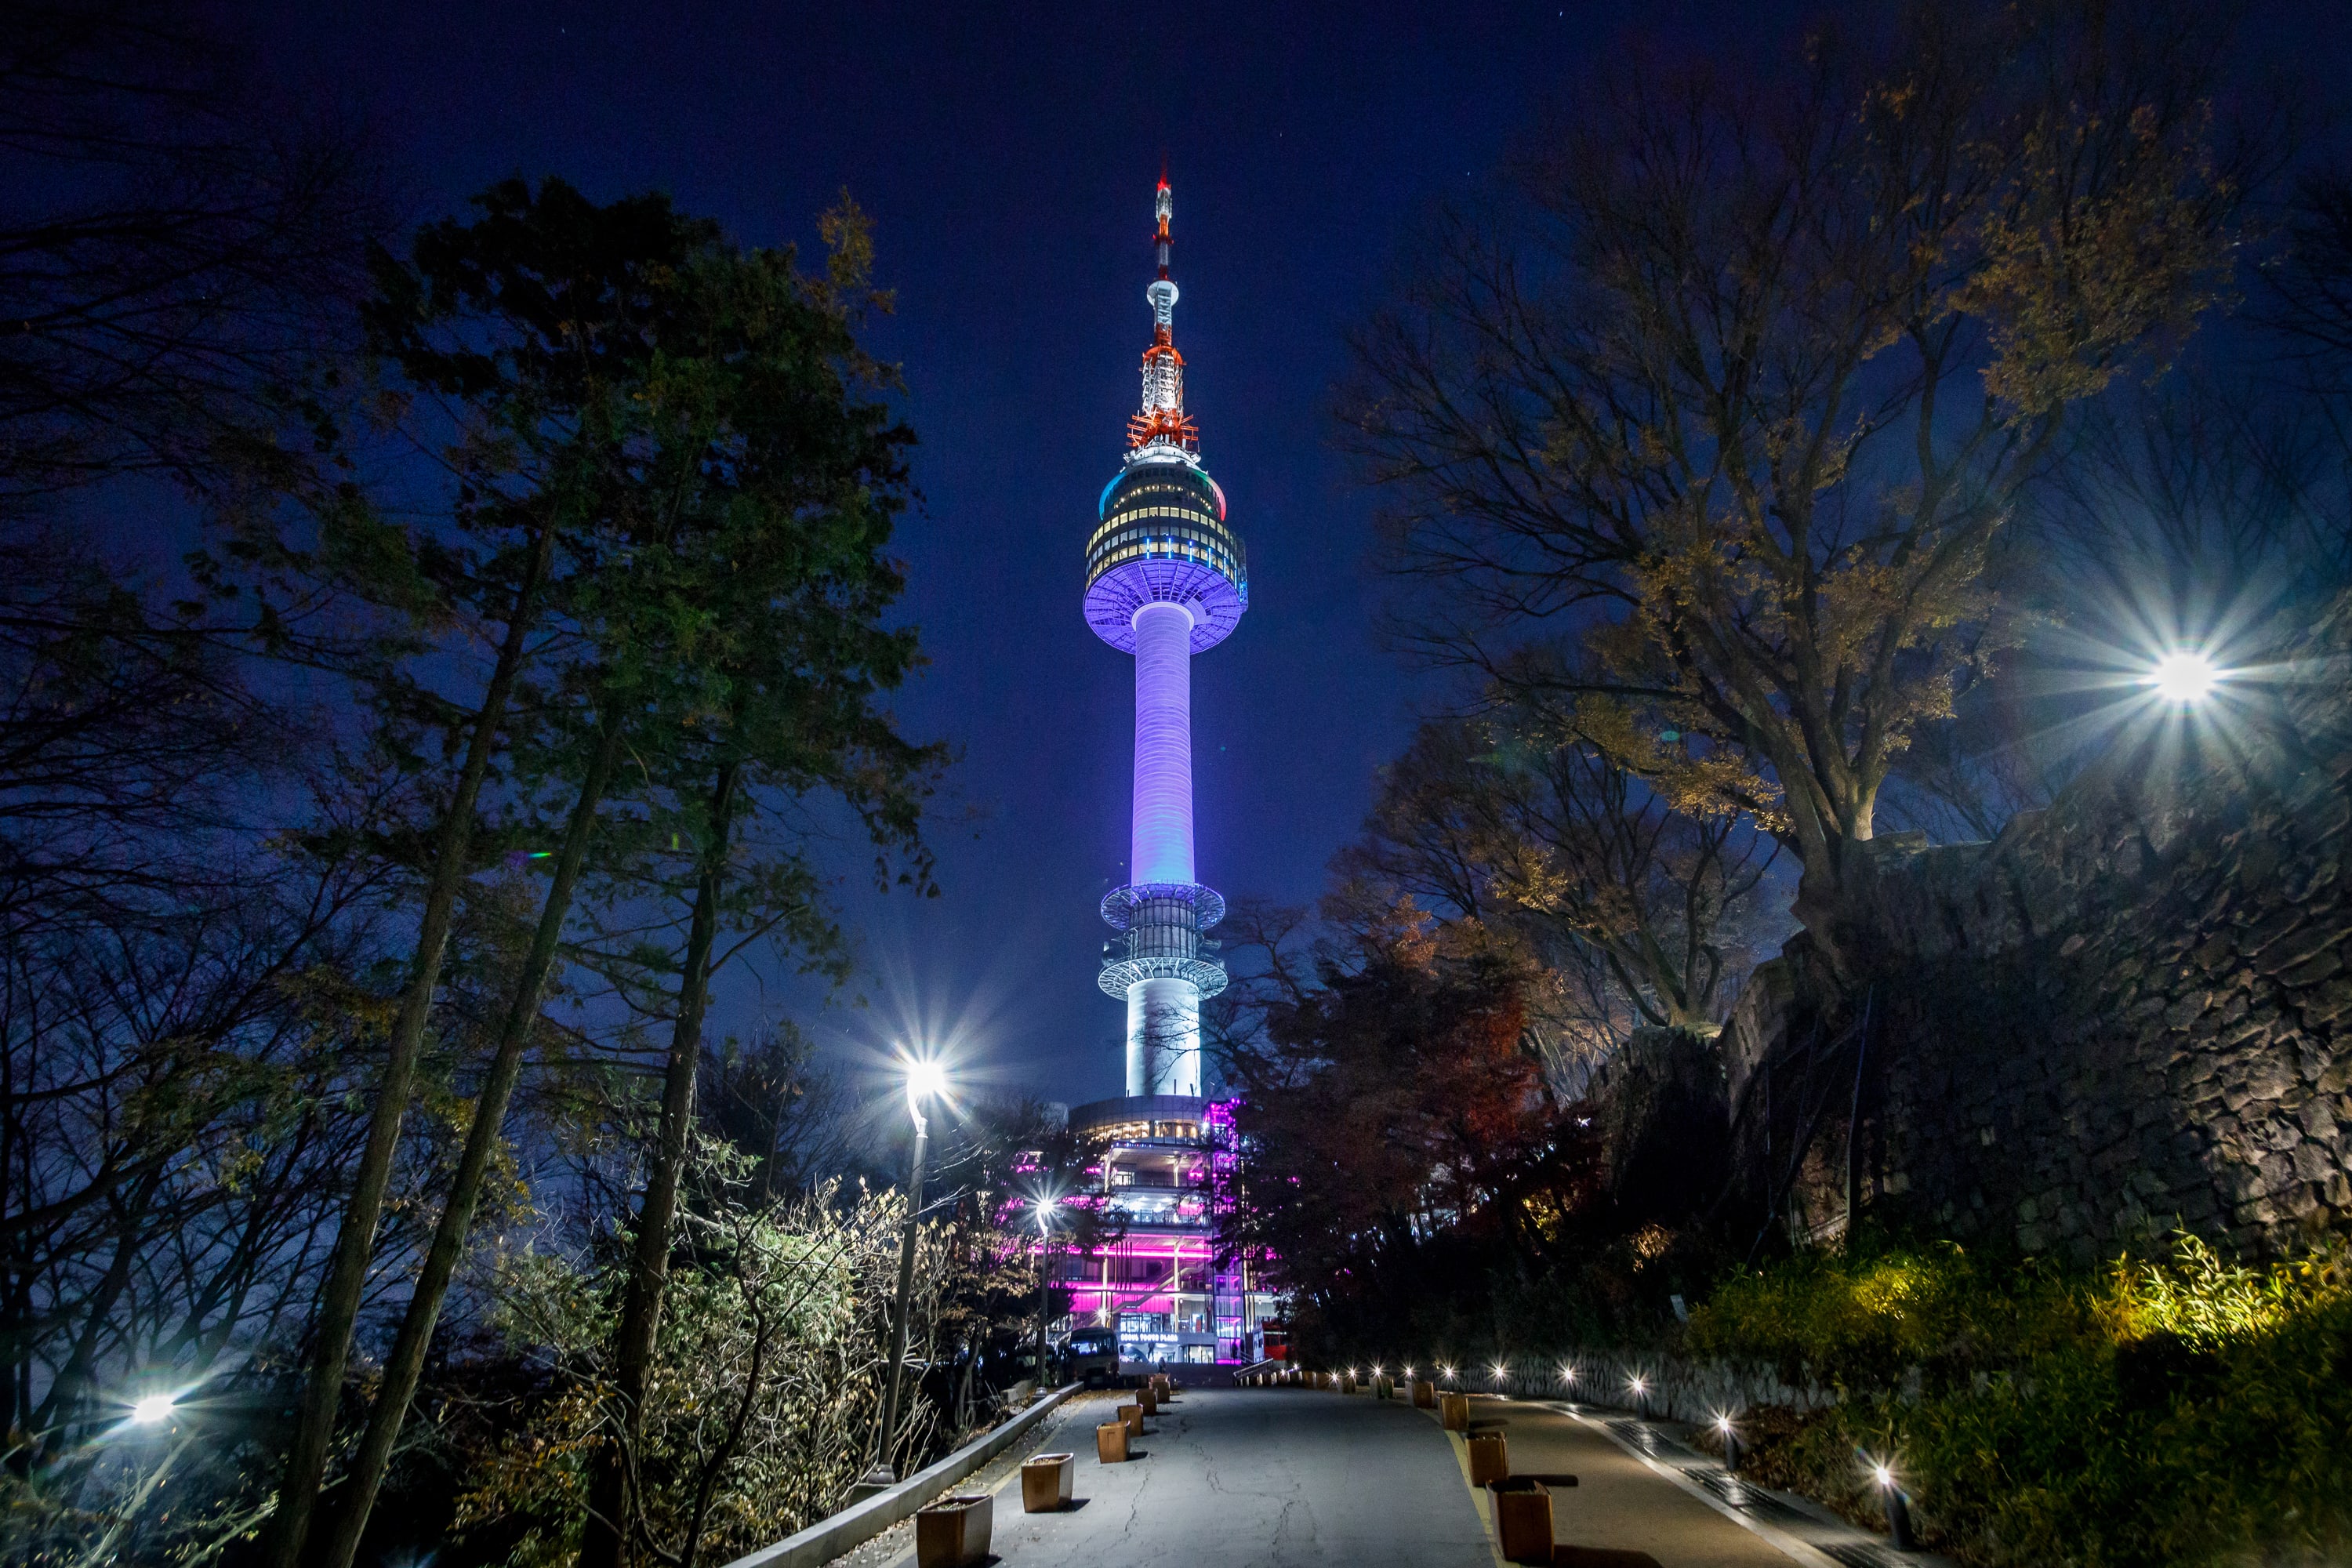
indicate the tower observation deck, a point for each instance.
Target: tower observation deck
{"x":1166,"y":579}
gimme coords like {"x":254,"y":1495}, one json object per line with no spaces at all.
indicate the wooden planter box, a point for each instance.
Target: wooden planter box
{"x":1454,"y":1412}
{"x":953,"y":1531}
{"x":1490,"y":1457}
{"x":1132,"y":1414}
{"x":1424,"y":1394}
{"x":1110,"y":1443}
{"x":1522,"y":1509}
{"x":1047,"y":1481}
{"x":1148,"y":1401}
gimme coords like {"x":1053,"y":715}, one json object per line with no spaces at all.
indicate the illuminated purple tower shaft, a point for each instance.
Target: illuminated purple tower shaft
{"x":1165,"y":579}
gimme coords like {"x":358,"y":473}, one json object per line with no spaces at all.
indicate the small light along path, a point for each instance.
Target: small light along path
{"x":1289,"y":1477}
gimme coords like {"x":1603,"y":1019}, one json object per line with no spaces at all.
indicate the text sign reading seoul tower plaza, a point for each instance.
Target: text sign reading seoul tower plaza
{"x":1165,"y":580}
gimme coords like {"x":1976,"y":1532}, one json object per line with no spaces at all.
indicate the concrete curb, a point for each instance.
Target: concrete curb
{"x":854,"y":1526}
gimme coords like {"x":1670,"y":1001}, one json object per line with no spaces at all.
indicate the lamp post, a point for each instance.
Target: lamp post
{"x":924,"y":1080}
{"x":1044,"y":1206}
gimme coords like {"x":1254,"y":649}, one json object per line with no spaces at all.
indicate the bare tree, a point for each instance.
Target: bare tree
{"x":176,"y":258}
{"x":1733,"y":394}
{"x":1634,"y":912}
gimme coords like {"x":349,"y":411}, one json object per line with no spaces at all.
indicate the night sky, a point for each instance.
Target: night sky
{"x":1007,"y":156}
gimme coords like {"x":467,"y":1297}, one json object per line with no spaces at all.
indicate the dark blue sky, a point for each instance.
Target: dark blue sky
{"x":1007,"y":155}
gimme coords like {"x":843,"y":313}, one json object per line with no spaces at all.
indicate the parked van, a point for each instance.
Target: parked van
{"x":1090,"y":1356}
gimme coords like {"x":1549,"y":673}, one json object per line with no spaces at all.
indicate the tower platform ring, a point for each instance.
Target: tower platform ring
{"x":1162,"y":539}
{"x":1118,"y":905}
{"x":1121,"y":976}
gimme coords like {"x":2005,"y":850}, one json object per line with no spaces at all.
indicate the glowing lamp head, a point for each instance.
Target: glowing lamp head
{"x":1567,"y":1374}
{"x":1638,"y":1385}
{"x":1376,"y":1372}
{"x":1498,"y":1371}
{"x":926,"y":1079}
{"x":1723,"y":1425}
{"x":1446,"y":1370}
{"x":152,"y":1408}
{"x":2184,"y":675}
{"x":1884,"y":1475}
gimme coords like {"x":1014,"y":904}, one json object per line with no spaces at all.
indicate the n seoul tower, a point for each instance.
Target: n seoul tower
{"x":1165,"y":580}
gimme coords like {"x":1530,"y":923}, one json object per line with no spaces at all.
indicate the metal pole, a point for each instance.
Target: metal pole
{"x":1044,"y":1291}
{"x":886,"y":1458}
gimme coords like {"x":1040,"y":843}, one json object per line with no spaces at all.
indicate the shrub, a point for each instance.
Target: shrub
{"x":2190,"y":1411}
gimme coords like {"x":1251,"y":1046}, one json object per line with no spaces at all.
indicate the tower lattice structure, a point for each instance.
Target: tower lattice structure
{"x":1166,"y":579}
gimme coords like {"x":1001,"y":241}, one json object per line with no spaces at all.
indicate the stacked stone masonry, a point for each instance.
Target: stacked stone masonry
{"x":2130,"y":1013}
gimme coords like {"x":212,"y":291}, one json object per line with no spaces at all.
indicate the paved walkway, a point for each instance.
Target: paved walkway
{"x":1294,"y":1478}
{"x":1286,"y":1478}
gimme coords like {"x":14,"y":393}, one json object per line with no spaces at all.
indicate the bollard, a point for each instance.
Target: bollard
{"x":953,"y":1531}
{"x":1898,"y":1521}
{"x":1047,"y":1479}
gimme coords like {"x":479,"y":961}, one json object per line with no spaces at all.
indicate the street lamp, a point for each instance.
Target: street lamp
{"x":1044,"y":1204}
{"x":926,"y":1079}
{"x":1641,"y":1389}
{"x":2184,"y":677}
{"x":152,"y":1408}
{"x":1730,"y":1435}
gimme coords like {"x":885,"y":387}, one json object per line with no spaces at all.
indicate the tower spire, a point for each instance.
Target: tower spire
{"x":1159,"y":429}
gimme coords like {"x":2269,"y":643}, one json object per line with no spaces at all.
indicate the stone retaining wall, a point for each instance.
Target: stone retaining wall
{"x":2129,"y":1012}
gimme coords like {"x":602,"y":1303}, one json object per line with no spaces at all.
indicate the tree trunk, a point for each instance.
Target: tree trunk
{"x":609,"y":1502}
{"x":339,"y":1299}
{"x":407,"y":1363}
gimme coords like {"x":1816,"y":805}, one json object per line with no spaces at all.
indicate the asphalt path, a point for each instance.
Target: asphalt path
{"x":1299,"y":1477}
{"x":1244,"y":1476}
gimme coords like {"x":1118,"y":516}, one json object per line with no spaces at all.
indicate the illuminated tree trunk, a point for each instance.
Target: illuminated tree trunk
{"x":338,"y":1302}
